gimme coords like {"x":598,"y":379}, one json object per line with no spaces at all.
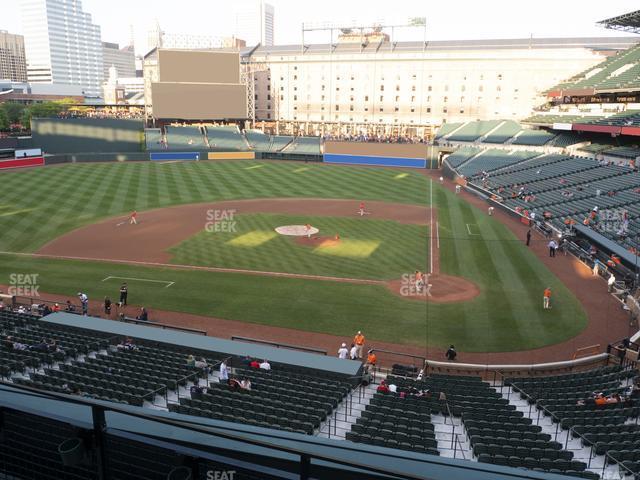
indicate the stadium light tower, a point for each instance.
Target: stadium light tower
{"x":365,"y":30}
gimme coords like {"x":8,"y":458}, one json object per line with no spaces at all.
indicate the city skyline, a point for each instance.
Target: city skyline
{"x":545,"y":18}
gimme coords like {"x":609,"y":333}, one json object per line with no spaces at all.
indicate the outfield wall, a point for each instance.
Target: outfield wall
{"x":231,"y":155}
{"x":21,"y":162}
{"x":167,"y":156}
{"x":77,"y":135}
{"x":411,"y":155}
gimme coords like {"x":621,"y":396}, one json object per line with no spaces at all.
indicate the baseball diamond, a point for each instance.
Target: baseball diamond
{"x":386,"y":255}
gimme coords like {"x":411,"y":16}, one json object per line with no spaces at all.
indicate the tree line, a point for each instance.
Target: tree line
{"x":17,"y":116}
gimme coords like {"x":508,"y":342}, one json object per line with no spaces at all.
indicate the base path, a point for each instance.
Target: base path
{"x":160,"y":229}
{"x":148,"y":242}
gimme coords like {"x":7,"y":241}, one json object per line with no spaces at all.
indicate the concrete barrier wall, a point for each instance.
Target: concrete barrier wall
{"x":379,"y":161}
{"x":97,"y":157}
{"x":21,"y":162}
{"x":168,"y":156}
{"x":392,"y":150}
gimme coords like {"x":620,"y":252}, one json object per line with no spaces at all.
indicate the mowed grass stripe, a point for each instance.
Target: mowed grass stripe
{"x":52,"y":208}
{"x":373,"y":249}
{"x":470,"y":322}
{"x":514,"y":302}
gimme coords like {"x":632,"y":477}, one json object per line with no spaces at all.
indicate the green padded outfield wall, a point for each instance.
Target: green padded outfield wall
{"x":76,"y":135}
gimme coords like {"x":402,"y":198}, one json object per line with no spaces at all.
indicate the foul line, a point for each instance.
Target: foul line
{"x":139,"y":280}
{"x":469,"y":230}
{"x":359,"y":281}
{"x":438,"y":235}
{"x":431,"y":225}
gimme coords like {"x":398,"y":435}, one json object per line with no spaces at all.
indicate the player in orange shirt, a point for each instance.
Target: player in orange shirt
{"x":419,"y":281}
{"x":358,"y":340}
{"x":371,"y":358}
{"x":547,"y":298}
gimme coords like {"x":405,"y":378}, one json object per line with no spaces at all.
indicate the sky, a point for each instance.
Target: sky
{"x":446,"y":20}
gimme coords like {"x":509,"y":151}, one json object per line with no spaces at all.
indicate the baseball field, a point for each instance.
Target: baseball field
{"x":206,"y":244}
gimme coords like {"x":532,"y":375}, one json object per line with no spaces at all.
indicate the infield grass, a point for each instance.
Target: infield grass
{"x":370,"y":249}
{"x":37,"y":205}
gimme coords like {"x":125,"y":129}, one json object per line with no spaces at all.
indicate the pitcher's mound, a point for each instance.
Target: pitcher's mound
{"x":296,"y":230}
{"x":443,"y":289}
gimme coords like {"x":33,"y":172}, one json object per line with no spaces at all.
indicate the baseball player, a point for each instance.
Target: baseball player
{"x":132,"y":218}
{"x":361,"y":209}
{"x":419,"y":281}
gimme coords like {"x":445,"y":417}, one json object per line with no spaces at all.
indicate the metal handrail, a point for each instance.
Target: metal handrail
{"x":278,"y":344}
{"x":455,"y":448}
{"x":164,"y":326}
{"x":230,"y":434}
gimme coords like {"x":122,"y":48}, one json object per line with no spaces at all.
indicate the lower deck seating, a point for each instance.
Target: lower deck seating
{"x":283,"y":400}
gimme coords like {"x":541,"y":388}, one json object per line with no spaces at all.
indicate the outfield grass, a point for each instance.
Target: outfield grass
{"x":38,"y":205}
{"x":371,"y":249}
{"x":508,"y":314}
{"x":314,"y":306}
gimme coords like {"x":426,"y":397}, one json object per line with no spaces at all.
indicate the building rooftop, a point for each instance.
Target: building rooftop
{"x":596,"y":43}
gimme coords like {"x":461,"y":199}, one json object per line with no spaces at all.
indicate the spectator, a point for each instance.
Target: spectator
{"x":70,"y":307}
{"x":124,"y":294}
{"x":451,"y":353}
{"x":224,"y":372}
{"x":196,"y":390}
{"x":254,"y":364}
{"x":353,"y":352}
{"x":553,"y":246}
{"x":343,"y":352}
{"x":144,"y":316}
{"x":127,"y":345}
{"x":46,"y":310}
{"x":371,"y":358}
{"x":107,"y":306}
{"x":383,"y":388}
{"x":393,"y":388}
{"x":442,"y":397}
{"x":245,"y":384}
{"x":55,"y":309}
{"x":84,"y":300}
{"x":191,"y":361}
{"x":265,"y":365}
{"x":246,"y":361}
{"x":611,"y":283}
{"x":358,"y":340}
{"x":202,"y":364}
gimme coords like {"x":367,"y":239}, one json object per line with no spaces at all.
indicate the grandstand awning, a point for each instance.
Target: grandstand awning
{"x":629,"y":22}
{"x":625,"y":255}
{"x":213,"y":344}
